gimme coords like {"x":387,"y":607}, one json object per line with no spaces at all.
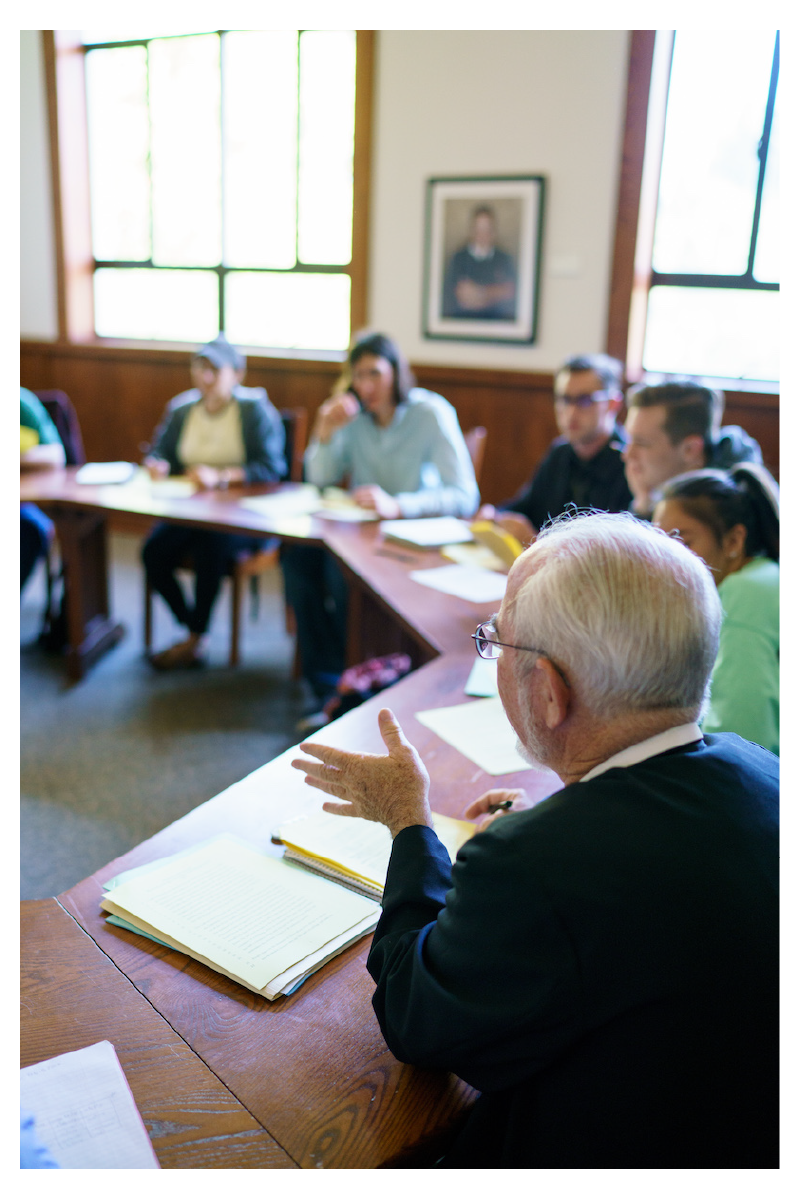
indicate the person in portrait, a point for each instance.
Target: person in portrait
{"x":481,"y":280}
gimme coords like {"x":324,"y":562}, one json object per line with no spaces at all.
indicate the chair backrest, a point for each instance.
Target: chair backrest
{"x":476,"y":444}
{"x":295,"y":425}
{"x":59,"y":408}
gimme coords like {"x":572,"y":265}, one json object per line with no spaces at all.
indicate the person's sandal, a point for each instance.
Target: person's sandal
{"x":177,"y":658}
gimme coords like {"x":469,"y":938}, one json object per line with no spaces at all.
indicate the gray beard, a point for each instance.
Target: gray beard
{"x":529,"y":756}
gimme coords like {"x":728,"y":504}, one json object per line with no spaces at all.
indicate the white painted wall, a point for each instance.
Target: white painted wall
{"x":447,"y":102}
{"x":38,"y":311}
{"x":530,"y":102}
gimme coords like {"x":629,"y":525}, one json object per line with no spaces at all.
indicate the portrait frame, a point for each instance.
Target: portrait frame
{"x":499,"y":302}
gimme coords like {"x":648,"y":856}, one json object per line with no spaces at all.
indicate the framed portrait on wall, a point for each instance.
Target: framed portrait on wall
{"x":483,"y":241}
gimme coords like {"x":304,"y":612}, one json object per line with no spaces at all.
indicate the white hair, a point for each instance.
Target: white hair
{"x":629,"y":614}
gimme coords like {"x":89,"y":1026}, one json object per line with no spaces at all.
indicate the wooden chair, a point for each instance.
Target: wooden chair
{"x":250,"y":566}
{"x":476,"y":444}
{"x":59,"y":408}
{"x":61,"y":412}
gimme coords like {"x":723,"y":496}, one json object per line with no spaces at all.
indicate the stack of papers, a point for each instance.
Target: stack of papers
{"x":427,"y":532}
{"x":356,"y":852}
{"x":257,"y":919}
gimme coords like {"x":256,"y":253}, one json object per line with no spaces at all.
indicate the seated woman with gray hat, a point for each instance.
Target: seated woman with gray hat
{"x":217,"y":433}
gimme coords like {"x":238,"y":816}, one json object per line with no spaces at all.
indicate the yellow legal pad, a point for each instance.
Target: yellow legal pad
{"x":353,"y":851}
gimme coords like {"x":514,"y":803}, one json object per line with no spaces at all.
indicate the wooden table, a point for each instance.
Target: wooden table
{"x":81,"y":514}
{"x":311,"y":1069}
{"x":387,"y":611}
{"x":72,"y":995}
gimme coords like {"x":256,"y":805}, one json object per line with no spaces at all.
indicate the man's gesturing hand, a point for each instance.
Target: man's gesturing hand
{"x":391,"y":789}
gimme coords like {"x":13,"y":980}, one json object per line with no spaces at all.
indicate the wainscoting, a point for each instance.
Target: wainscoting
{"x":120,"y":392}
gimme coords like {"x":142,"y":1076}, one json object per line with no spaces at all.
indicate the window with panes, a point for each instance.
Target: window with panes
{"x":221,"y":184}
{"x":713,"y":299}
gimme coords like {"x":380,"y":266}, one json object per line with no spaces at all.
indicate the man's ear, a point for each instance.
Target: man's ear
{"x":693,"y":452}
{"x":556,"y":696}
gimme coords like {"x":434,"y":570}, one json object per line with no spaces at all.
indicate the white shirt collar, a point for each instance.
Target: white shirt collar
{"x":668,"y":739}
{"x":480,"y":253}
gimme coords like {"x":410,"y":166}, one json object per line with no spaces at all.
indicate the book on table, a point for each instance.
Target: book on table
{"x":265,"y":922}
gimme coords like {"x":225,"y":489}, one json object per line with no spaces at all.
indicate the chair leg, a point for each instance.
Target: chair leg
{"x":236,"y":602}
{"x":148,"y":616}
{"x":51,"y":572}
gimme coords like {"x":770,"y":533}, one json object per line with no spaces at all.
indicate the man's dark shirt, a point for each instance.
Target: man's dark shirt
{"x":602,"y":967}
{"x":562,"y":478}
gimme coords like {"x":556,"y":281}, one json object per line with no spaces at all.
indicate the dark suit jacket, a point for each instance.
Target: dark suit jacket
{"x":562,"y":478}
{"x":603,"y":968}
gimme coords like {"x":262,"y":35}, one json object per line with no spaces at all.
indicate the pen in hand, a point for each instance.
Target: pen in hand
{"x":503,"y":806}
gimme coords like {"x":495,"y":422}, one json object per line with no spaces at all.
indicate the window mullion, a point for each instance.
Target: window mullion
{"x":223,"y":254}
{"x":297,"y":164}
{"x":763,"y":151}
{"x":149,"y":147}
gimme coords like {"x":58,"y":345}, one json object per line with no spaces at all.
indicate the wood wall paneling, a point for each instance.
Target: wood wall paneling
{"x":120,"y":393}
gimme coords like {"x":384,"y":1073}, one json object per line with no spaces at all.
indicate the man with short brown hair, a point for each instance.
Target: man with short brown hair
{"x":673,"y":428}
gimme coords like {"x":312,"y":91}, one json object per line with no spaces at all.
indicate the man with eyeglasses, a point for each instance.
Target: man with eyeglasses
{"x":584,"y":464}
{"x":603,"y":966}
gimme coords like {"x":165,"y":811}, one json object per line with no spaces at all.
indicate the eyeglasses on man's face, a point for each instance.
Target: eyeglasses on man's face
{"x":584,"y":400}
{"x":487,"y":645}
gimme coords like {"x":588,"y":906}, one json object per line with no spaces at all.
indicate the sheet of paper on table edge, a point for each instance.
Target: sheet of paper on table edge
{"x":480,"y":730}
{"x":48,"y":1090}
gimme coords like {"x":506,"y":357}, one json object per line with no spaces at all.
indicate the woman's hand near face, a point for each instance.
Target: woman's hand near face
{"x":337,"y":411}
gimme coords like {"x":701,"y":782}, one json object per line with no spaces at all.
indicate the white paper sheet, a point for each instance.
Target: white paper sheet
{"x":301,"y":501}
{"x":470,"y":583}
{"x":473,"y":554}
{"x":333,"y":503}
{"x":105,"y":472}
{"x":482,"y":678}
{"x":481,"y":732}
{"x":85,"y":1112}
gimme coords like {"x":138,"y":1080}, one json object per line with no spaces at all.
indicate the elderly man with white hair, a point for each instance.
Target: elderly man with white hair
{"x":602,"y":966}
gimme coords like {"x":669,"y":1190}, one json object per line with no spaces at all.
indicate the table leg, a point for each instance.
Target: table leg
{"x":372,"y":630}
{"x":90,"y":628}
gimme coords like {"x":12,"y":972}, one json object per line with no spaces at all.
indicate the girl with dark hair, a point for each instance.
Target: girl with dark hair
{"x":731,"y":519}
{"x":403,"y":453}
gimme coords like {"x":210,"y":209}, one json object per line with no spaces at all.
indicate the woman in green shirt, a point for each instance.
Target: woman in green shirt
{"x":731,"y":519}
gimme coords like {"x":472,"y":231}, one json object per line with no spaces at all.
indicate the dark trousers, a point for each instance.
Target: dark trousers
{"x":317,"y":591}
{"x":212,"y":556}
{"x":35,"y":531}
